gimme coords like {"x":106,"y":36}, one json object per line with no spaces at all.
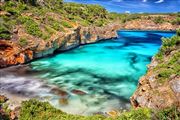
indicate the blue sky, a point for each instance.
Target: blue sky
{"x":135,"y":6}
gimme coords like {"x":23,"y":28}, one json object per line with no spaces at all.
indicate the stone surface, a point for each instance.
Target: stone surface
{"x":156,"y":95}
{"x":59,"y":92}
{"x":11,"y":53}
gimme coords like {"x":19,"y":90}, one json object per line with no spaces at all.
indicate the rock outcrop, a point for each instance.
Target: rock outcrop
{"x":143,"y":24}
{"x":160,"y":87}
{"x":12,"y":53}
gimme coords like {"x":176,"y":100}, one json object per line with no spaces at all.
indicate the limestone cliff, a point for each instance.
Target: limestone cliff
{"x":160,"y":87}
{"x":12,"y":53}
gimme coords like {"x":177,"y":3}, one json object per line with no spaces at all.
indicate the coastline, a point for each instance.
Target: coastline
{"x":21,"y":98}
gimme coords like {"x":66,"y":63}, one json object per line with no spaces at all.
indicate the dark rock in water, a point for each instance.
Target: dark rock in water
{"x":63,"y":101}
{"x":59,"y":92}
{"x":78,"y":92}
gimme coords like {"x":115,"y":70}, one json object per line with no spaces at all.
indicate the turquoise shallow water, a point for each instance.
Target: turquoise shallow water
{"x":107,"y":71}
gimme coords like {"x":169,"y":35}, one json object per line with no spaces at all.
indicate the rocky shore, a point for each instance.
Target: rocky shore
{"x":148,"y":94}
{"x":144,"y":24}
{"x":11,"y":53}
{"x":160,"y":87}
{"x":153,"y":95}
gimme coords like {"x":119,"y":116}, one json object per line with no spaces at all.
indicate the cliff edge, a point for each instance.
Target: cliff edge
{"x":160,"y":87}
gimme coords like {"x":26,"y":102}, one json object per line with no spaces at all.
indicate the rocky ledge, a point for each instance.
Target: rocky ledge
{"x":12,"y":53}
{"x":160,"y":87}
{"x":153,"y":95}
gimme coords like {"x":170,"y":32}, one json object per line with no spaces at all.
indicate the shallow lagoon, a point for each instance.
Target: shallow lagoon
{"x":106,"y":73}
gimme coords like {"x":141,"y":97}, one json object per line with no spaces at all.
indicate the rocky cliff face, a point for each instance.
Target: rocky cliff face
{"x":12,"y":53}
{"x":154,"y":95}
{"x":160,"y":87}
{"x":143,"y":24}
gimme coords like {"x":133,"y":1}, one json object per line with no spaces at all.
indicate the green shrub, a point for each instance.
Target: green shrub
{"x":35,"y":110}
{"x":99,"y":23}
{"x":56,"y":25}
{"x":168,"y":45}
{"x":14,"y":8}
{"x":31,"y":26}
{"x":23,"y":41}
{"x":4,"y":33}
{"x":171,"y":113}
{"x":170,"y":66}
{"x":176,"y":21}
{"x":49,"y":30}
{"x":139,"y":114}
{"x":158,"y":20}
{"x":53,"y":4}
{"x":165,"y":73}
{"x":178,"y":32}
{"x":66,"y":24}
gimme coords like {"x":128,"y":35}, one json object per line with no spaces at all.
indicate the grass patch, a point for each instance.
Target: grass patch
{"x":35,"y":110}
{"x":158,"y":20}
{"x":56,"y":25}
{"x":66,"y":24}
{"x":168,"y":66}
{"x":4,"y":32}
{"x":31,"y":26}
{"x":23,"y":41}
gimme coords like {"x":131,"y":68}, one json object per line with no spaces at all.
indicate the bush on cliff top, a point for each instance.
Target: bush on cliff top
{"x":168,"y":66}
{"x":4,"y":32}
{"x":158,"y":20}
{"x":31,"y":26}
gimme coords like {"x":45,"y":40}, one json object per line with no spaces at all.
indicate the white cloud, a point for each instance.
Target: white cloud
{"x":127,"y":12}
{"x":144,"y":1}
{"x":159,"y":1}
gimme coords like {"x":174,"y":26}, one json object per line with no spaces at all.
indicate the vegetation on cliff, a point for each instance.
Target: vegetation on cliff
{"x":44,"y":18}
{"x":168,"y":58}
{"x":35,"y":110}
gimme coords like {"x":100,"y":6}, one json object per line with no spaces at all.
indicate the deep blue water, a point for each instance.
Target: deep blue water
{"x":107,"y":71}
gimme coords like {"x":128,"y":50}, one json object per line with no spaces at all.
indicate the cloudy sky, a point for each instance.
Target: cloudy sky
{"x":135,"y":6}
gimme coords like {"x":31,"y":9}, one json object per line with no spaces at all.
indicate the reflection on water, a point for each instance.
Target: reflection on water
{"x":92,"y":78}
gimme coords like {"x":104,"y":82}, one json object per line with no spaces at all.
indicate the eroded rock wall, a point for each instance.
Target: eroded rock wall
{"x":156,"y":95}
{"x":11,"y":53}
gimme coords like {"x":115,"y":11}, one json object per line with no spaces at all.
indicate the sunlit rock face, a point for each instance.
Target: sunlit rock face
{"x":12,"y":53}
{"x":90,"y":79}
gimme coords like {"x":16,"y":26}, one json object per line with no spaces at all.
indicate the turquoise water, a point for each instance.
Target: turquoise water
{"x":106,"y":72}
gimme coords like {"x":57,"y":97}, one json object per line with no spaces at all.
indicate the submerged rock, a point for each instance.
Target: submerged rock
{"x":78,"y":92}
{"x":59,"y":92}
